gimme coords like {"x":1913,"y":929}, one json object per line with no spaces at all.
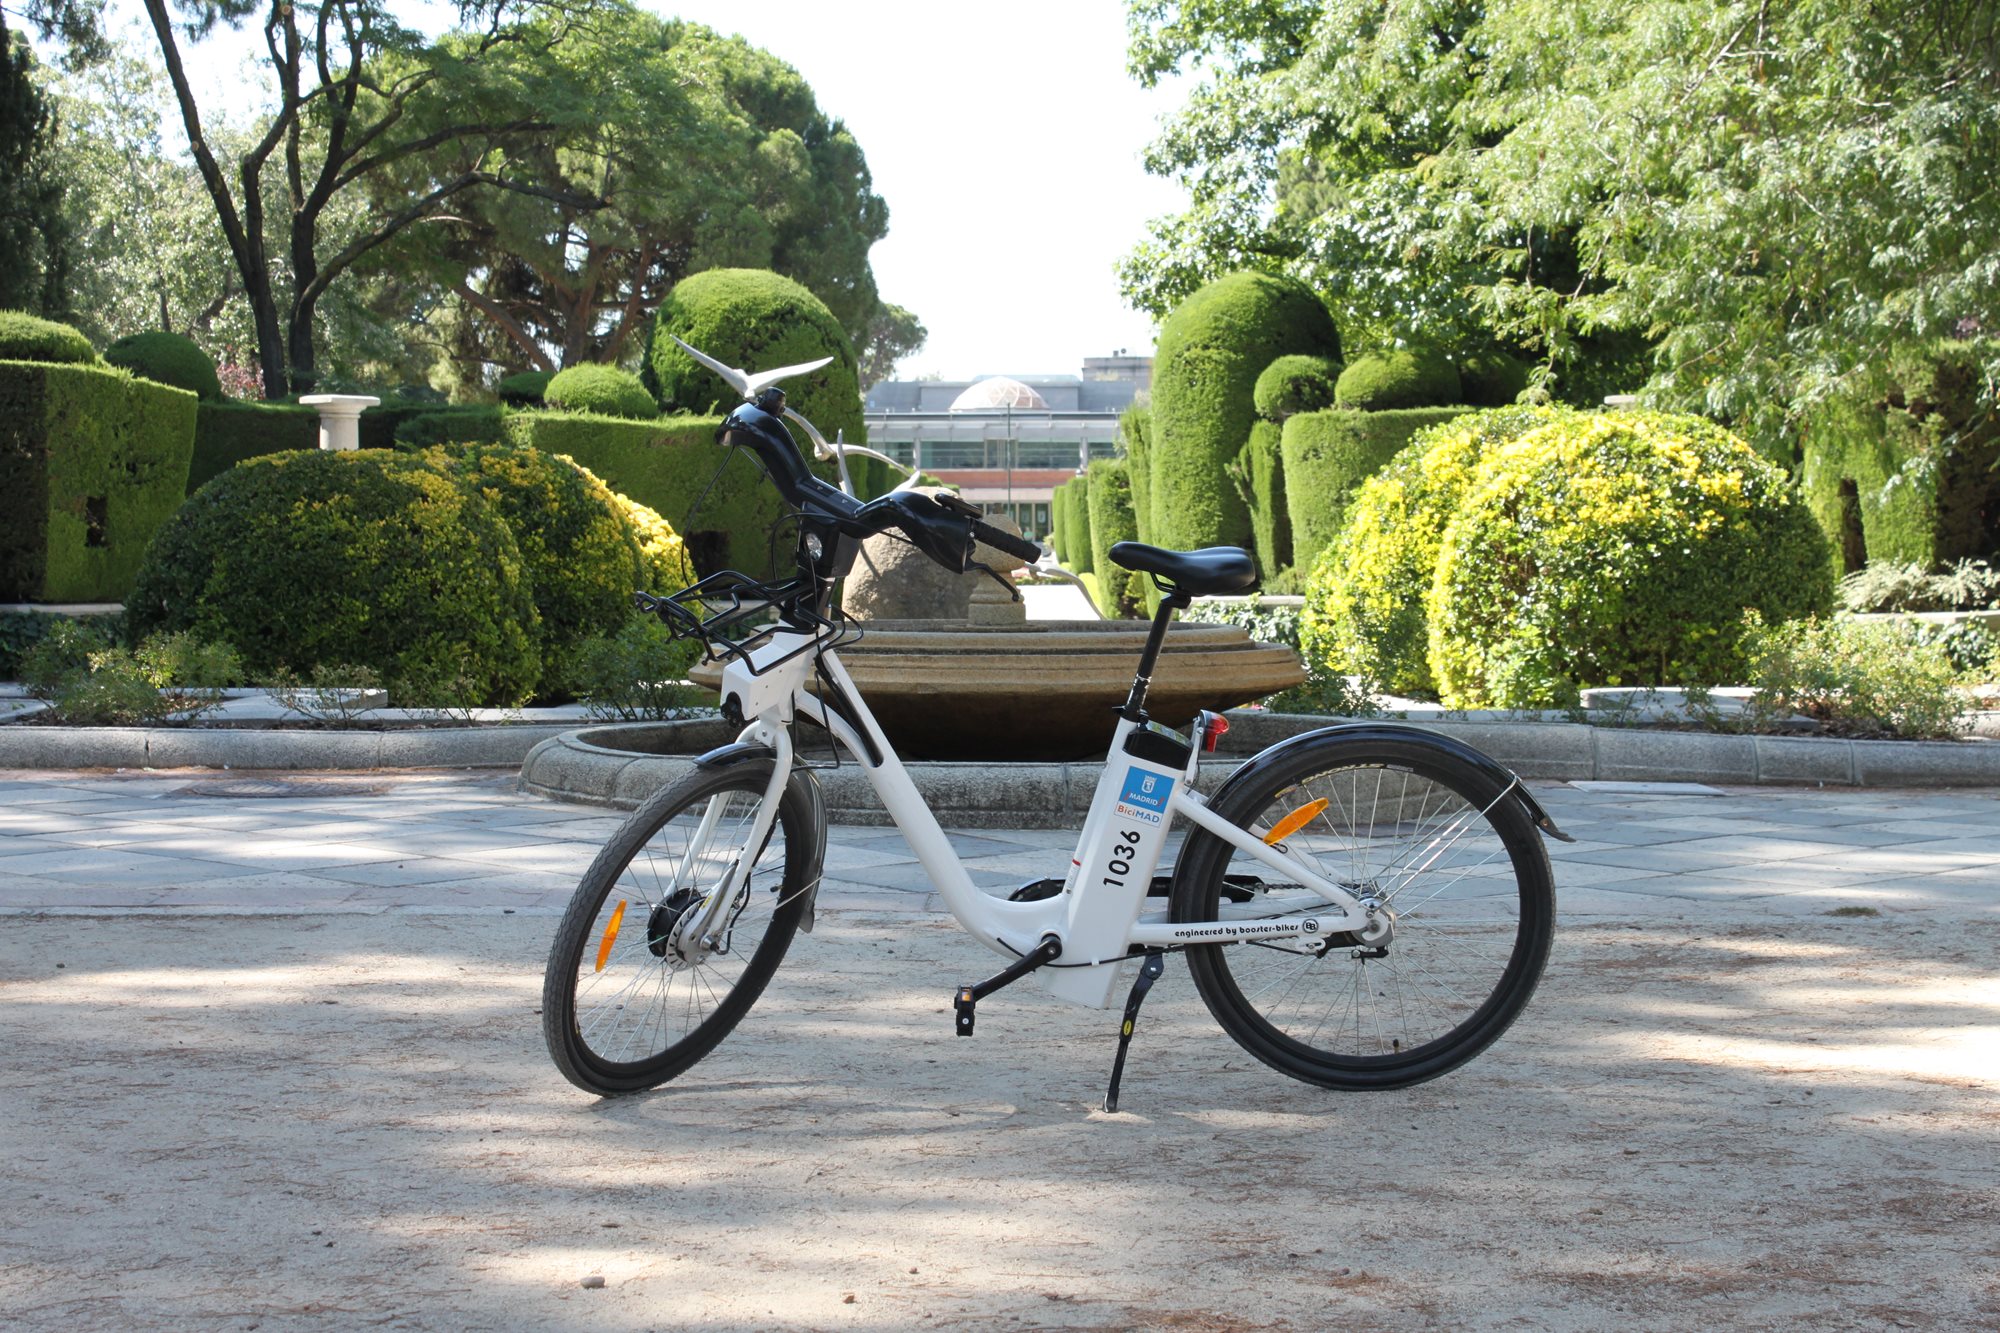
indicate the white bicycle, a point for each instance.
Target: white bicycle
{"x":1365,"y":906}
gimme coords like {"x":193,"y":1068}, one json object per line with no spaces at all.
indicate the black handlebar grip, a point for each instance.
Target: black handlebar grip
{"x":1007,"y":541}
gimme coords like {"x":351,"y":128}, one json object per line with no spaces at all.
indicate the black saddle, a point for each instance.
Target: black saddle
{"x":1203,"y":573}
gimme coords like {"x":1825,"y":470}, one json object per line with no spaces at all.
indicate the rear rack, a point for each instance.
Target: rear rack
{"x":731,"y":615}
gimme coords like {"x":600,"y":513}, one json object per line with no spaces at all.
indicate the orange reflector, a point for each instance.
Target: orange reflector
{"x":1293,"y":822}
{"x":617,"y":920}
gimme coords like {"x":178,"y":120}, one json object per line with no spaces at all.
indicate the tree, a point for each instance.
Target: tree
{"x":1773,"y":199}
{"x":690,"y":151}
{"x":893,"y":334}
{"x":358,"y":93}
{"x":31,"y":242}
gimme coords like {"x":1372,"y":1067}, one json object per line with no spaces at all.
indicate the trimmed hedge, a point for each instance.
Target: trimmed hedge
{"x":1082,"y":554}
{"x":524,"y":388}
{"x":1211,"y":351}
{"x":476,"y":424}
{"x":1294,"y":384}
{"x":1120,"y":593}
{"x":360,"y":558}
{"x":228,"y":433}
{"x":380,"y":424}
{"x":667,"y":465}
{"x":604,"y":391}
{"x":1364,"y":599}
{"x":168,"y":358}
{"x":756,"y":320}
{"x":1326,"y":455}
{"x":1058,"y":523}
{"x":1135,"y":440}
{"x":1491,"y":379}
{"x":25,"y":337}
{"x":1406,"y":377}
{"x":92,"y":461}
{"x":1260,"y":469}
{"x":1617,"y":549}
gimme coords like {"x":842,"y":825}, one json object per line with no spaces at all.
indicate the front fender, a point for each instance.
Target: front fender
{"x":802,"y":786}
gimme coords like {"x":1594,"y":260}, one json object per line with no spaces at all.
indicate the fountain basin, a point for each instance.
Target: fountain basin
{"x":1042,"y":690}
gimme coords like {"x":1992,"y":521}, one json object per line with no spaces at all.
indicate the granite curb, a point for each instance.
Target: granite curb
{"x":30,"y":747}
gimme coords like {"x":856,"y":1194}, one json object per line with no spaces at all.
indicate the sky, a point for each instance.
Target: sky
{"x":1007,"y":141}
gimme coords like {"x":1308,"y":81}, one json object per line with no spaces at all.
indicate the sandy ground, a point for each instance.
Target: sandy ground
{"x":349,"y":1121}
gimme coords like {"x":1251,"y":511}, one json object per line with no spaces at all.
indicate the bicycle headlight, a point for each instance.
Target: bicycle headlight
{"x":815,"y":548}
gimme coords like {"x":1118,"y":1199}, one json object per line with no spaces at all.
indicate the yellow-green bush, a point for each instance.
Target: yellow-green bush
{"x":368,"y":558}
{"x":1364,"y":601}
{"x":1616,"y":549}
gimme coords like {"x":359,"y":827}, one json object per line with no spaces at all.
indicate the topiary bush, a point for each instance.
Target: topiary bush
{"x":1407,"y":377}
{"x":757,"y":320}
{"x":1616,"y":549}
{"x":226,"y":433}
{"x":1294,"y":384}
{"x":1121,"y":593}
{"x":525,"y":388}
{"x":604,"y":391}
{"x":1325,"y":456}
{"x":1081,"y":554}
{"x":366,"y":558}
{"x":25,"y":337}
{"x":1135,"y":441}
{"x":1259,"y":475}
{"x":1212,"y":348}
{"x":1364,"y":600}
{"x":168,"y":358}
{"x":1491,"y":379}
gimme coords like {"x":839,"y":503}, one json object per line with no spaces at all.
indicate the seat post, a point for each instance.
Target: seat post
{"x":1135,"y":703}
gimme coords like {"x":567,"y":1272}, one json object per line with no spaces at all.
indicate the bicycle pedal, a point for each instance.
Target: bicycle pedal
{"x":963,"y":1003}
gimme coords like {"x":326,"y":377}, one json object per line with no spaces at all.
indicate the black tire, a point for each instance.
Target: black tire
{"x":1459,"y":863}
{"x":647,"y":1014}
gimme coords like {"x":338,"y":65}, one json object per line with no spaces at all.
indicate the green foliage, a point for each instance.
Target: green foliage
{"x":382,"y":427}
{"x":92,"y":461}
{"x":1263,"y":622}
{"x":25,"y":337}
{"x":1121,"y":593}
{"x":637,"y":674}
{"x":227,"y":433}
{"x":22,"y":630}
{"x":1862,"y":680}
{"x":1364,"y":610}
{"x":1775,"y":197}
{"x":1259,"y":474}
{"x":1210,"y":353}
{"x":1407,"y":377}
{"x":524,"y":388}
{"x":1615,"y":549}
{"x":368,"y":557}
{"x":1135,"y":441}
{"x":1294,"y":384}
{"x":1327,"y":455}
{"x":892,"y":334}
{"x":1058,"y":522}
{"x":31,"y":232}
{"x":1076,"y":494}
{"x":579,"y":554}
{"x":759,"y":321}
{"x":604,"y":391}
{"x":334,"y":693}
{"x":89,"y":682}
{"x":452,"y":426}
{"x":1886,"y":585}
{"x":1492,"y":379}
{"x":167,"y":358}
{"x":668,"y":465}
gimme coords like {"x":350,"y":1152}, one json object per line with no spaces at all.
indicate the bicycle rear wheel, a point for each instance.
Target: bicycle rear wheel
{"x":631,"y":998}
{"x":1456,"y":865}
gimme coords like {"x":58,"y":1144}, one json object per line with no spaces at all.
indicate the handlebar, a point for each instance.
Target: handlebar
{"x":1019,"y":547}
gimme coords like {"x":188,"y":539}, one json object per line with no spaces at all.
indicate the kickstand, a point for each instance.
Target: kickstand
{"x":1149,"y":972}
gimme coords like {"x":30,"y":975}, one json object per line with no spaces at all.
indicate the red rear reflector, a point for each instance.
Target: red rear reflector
{"x":1214,"y":726}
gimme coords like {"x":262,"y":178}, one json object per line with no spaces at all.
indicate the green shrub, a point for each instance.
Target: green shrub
{"x":25,"y":337}
{"x":452,"y":426}
{"x":1211,"y":351}
{"x":578,"y":551}
{"x":669,"y":465}
{"x":525,"y":388}
{"x":1492,"y":379}
{"x":22,"y":630}
{"x":1294,"y":384}
{"x":369,"y":558}
{"x":89,"y":682}
{"x":756,"y":320}
{"x":1881,"y":679}
{"x":379,"y":425}
{"x":92,"y":461}
{"x":1364,"y":609}
{"x":604,"y":391}
{"x":228,"y":433}
{"x":663,"y":557}
{"x":333,"y":693}
{"x":1887,"y":585}
{"x":1135,"y":441}
{"x":1616,"y":549}
{"x":1406,"y":377}
{"x":1058,"y":522}
{"x":1325,"y":456}
{"x":168,"y":358}
{"x":1083,"y":554}
{"x":637,"y":674}
{"x":1263,"y":622}
{"x":1121,"y":593}
{"x":1259,"y":476}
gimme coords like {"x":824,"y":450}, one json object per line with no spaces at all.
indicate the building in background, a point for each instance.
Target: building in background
{"x":1006,"y":442}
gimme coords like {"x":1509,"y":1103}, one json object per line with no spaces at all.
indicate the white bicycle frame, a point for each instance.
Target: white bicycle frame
{"x":1099,"y":917}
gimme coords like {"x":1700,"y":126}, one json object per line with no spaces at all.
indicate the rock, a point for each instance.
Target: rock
{"x":594,"y":1281}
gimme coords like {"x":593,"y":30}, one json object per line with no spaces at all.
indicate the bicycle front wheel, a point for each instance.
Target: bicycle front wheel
{"x":635,"y":991}
{"x":1457,"y":869}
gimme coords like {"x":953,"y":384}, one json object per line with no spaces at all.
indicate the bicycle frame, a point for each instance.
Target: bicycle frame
{"x":1099,"y":916}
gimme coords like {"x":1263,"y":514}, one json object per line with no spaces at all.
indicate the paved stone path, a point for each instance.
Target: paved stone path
{"x":440,"y":841}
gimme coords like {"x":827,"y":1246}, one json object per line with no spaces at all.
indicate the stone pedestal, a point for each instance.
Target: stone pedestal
{"x":339,"y":417}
